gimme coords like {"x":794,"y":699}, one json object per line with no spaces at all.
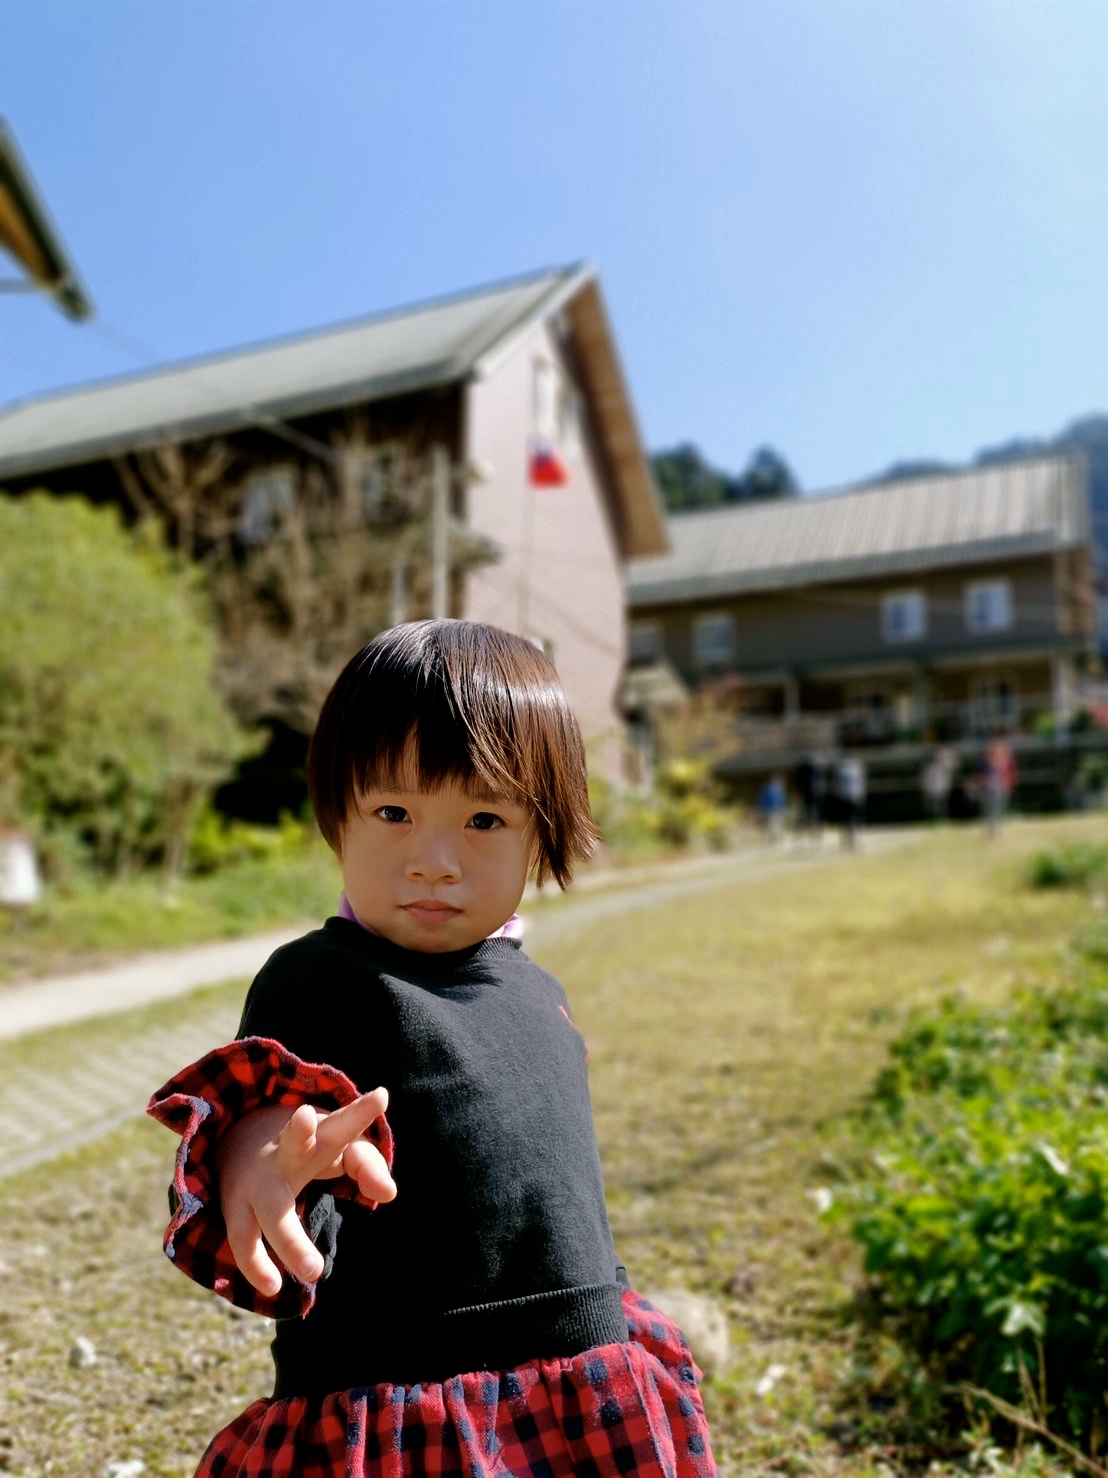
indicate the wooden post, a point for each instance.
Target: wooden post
{"x":440,"y":531}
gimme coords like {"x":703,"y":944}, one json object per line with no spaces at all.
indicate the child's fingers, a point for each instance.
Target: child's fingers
{"x":251,"y":1258}
{"x":336,"y":1130}
{"x":365,"y":1165}
{"x":301,"y":1155}
{"x":297,"y":1140}
{"x":284,"y":1231}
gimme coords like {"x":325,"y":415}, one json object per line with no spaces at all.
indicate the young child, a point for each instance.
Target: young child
{"x":470,"y":1317}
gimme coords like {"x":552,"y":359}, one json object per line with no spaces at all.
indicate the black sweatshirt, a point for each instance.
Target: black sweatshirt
{"x":497,"y":1248}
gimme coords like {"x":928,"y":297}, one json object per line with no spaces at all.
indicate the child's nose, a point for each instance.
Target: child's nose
{"x":434,"y":858}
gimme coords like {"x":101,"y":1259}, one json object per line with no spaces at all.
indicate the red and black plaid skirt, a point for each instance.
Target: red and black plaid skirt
{"x":626,"y":1408}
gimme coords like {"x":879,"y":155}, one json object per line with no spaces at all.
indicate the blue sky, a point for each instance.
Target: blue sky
{"x":856,"y":230}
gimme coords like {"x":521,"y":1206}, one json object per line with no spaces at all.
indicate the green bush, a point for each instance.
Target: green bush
{"x":678,"y":813}
{"x":111,"y":730}
{"x":216,"y":843}
{"x":979,"y":1193}
{"x":1070,"y":867}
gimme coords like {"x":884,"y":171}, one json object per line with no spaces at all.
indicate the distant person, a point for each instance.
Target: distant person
{"x":478,"y":1320}
{"x":808,"y":782}
{"x":936,"y":781}
{"x":999,"y":773}
{"x":850,"y":795}
{"x":770,"y":807}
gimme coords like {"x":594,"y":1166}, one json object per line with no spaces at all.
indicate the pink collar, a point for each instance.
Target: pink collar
{"x":513,"y":929}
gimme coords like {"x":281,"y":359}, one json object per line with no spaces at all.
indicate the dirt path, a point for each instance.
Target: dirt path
{"x":87,"y":1083}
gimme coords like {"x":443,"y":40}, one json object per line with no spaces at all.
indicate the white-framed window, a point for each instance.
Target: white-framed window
{"x":714,"y":639}
{"x":988,"y":605}
{"x":268,"y":498}
{"x":904,"y":615}
{"x":645,"y":643}
{"x":547,"y":398}
{"x":558,"y":408}
{"x":383,"y":491}
{"x":995,"y":701}
{"x":869,"y":710}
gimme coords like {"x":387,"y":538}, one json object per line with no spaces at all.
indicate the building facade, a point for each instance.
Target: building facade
{"x":475,"y":456}
{"x":885,"y":619}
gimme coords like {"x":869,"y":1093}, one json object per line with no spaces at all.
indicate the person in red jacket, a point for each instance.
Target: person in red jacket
{"x":999,"y":774}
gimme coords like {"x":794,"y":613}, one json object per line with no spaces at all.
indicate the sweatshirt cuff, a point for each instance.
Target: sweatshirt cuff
{"x":200,"y":1103}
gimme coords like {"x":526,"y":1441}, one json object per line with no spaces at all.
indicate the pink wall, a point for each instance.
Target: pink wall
{"x":561,"y":577}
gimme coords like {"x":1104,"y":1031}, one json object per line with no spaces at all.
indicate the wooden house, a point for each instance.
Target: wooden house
{"x":474,"y":456}
{"x":882,"y":619}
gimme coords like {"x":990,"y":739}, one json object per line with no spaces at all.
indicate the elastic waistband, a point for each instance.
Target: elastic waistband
{"x":491,"y":1336}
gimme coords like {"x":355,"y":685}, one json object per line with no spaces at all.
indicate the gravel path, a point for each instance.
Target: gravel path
{"x":89,"y":1082}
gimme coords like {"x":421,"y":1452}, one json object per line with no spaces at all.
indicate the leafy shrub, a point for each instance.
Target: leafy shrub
{"x":1069,"y":867}
{"x":217,"y":842}
{"x":625,"y":819}
{"x":111,"y":731}
{"x":980,"y":1197}
{"x":680,"y":812}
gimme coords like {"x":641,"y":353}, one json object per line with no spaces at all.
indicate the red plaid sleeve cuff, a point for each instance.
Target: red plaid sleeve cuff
{"x":200,"y":1103}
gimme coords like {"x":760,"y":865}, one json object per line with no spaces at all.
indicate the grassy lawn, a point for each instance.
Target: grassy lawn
{"x":727,"y":1031}
{"x":78,"y":926}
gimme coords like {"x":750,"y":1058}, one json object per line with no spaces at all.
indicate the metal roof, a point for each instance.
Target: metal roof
{"x":989,"y":513}
{"x":406,"y":349}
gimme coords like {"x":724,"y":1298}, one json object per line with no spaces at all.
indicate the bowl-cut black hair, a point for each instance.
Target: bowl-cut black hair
{"x":466,"y":704}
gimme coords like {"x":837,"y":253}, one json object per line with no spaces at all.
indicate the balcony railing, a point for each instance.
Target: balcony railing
{"x":943,"y":722}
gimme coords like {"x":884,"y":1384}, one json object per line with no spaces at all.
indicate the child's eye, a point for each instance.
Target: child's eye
{"x":485,"y":821}
{"x":392,"y":814}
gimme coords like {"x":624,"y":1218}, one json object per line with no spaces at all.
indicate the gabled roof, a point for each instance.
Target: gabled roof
{"x":412,"y":348}
{"x":437,"y":343}
{"x":990,"y":513}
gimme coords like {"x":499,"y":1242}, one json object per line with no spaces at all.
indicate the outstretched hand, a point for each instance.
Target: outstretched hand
{"x":265,"y":1161}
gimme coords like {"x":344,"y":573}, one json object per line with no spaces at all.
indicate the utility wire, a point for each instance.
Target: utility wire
{"x":250,"y":413}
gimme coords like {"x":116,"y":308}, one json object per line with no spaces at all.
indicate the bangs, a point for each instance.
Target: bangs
{"x":455,"y":703}
{"x":424,"y":746}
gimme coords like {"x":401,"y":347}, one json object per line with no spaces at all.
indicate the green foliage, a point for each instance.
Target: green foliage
{"x":980,"y":1196}
{"x":680,"y":813}
{"x":686,"y":812}
{"x":686,"y":481}
{"x":216,"y":843}
{"x":110,"y":727}
{"x":1070,"y":866}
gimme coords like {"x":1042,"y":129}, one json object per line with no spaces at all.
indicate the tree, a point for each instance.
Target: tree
{"x":304,"y":559}
{"x":687,"y":482}
{"x":111,"y":729}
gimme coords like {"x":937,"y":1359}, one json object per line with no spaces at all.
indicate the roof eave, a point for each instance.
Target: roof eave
{"x":33,"y":238}
{"x":234,"y":418}
{"x":682,"y":589}
{"x":639,"y":518}
{"x":640,"y":522}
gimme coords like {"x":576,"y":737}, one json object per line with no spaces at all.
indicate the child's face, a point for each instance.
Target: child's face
{"x":435,"y":870}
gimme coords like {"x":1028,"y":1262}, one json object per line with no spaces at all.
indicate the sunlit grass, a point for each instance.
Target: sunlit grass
{"x":85,"y":922}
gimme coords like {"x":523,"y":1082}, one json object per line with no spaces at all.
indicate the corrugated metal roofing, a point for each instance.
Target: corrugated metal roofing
{"x":988,"y":513}
{"x":407,"y":349}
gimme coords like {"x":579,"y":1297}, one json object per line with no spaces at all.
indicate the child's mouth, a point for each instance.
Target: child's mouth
{"x":431,"y":911}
